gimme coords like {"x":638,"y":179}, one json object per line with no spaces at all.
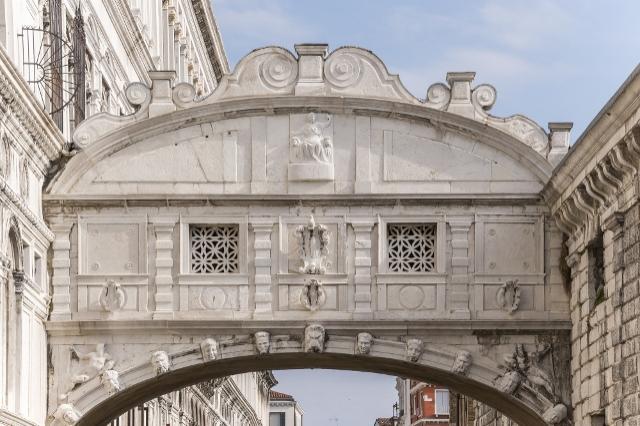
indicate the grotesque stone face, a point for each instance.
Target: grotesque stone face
{"x":67,"y":414}
{"x":263,"y":342}
{"x":160,"y":362}
{"x":363,"y":343}
{"x":555,"y":414}
{"x":209,"y":349}
{"x":110,"y":380}
{"x":314,"y":338}
{"x":414,"y":349}
{"x":462,"y":363}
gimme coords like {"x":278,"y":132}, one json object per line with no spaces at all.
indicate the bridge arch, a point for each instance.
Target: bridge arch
{"x":328,"y":142}
{"x":97,"y":403}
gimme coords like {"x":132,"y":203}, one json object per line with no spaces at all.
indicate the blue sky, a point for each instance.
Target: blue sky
{"x":550,"y":60}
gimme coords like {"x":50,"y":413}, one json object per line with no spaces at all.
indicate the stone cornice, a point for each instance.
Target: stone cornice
{"x":615,"y":119}
{"x":16,"y":95}
{"x":132,"y":38}
{"x":69,"y":329}
{"x":211,"y":36}
{"x":597,"y":187}
{"x":101,"y":135}
{"x":22,"y":206}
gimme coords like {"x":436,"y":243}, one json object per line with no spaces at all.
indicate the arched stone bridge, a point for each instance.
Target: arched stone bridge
{"x":309,"y":213}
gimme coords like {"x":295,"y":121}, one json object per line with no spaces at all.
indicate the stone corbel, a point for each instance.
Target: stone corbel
{"x":620,"y":162}
{"x":611,"y":174}
{"x":594,"y":191}
{"x":603,"y":179}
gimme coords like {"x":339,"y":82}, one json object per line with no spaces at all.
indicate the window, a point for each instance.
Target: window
{"x":276,"y":419}
{"x":411,"y":247}
{"x":214,"y":249}
{"x":442,"y":402}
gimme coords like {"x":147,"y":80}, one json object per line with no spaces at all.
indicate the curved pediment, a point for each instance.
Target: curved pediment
{"x":445,"y":144}
{"x":391,"y":150}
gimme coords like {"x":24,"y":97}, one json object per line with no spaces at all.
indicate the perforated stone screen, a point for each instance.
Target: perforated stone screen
{"x":411,"y":247}
{"x":214,"y":249}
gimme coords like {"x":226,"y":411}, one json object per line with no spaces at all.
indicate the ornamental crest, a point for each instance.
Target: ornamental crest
{"x":312,"y":151}
{"x":508,"y":296}
{"x":112,"y":297}
{"x":313,"y":295}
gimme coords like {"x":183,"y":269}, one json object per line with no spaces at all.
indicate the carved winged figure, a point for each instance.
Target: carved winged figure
{"x":91,"y":364}
{"x":310,"y":144}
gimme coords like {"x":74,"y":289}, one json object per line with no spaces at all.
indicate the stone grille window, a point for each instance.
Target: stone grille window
{"x":411,"y":247}
{"x":214,"y":249}
{"x":595,"y":253}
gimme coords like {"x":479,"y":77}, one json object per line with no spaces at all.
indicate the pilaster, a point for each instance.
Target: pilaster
{"x":458,"y":299}
{"x":262,"y":230}
{"x":163,"y":228}
{"x":61,"y":263}
{"x":362,"y":279}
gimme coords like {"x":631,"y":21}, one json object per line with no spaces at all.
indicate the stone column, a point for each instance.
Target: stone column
{"x":163,"y":227}
{"x":262,"y":230}
{"x":61,"y":279}
{"x":362,"y":262}
{"x":458,"y":297}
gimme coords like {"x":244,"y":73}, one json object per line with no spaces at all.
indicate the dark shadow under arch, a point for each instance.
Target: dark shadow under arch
{"x":103,"y":412}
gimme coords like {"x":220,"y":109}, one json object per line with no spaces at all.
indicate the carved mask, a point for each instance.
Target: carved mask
{"x":364,"y":342}
{"x":263,"y":343}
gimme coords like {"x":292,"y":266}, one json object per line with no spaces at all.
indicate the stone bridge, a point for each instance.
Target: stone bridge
{"x":310,"y":213}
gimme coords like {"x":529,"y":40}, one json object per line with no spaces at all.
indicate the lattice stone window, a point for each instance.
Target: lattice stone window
{"x":411,"y":247}
{"x":214,"y":249}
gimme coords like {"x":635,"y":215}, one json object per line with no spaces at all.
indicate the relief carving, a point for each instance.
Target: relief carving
{"x":91,"y":364}
{"x":414,"y":349}
{"x":363,"y":343}
{"x":521,"y":367}
{"x":278,"y":71}
{"x":462,"y":363}
{"x":314,"y":337}
{"x":313,"y":247}
{"x":313,"y":295}
{"x":111,"y":381}
{"x":555,"y":414}
{"x":160,"y":362}
{"x":66,"y":414}
{"x":209,"y":348}
{"x":263,"y":342}
{"x":312,"y":151}
{"x":508,"y":296}
{"x":112,"y":297}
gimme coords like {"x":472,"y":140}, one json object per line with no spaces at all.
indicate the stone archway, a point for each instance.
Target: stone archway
{"x":324,"y":193}
{"x":110,"y":393}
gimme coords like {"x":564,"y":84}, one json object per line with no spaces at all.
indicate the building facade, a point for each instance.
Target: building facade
{"x":118,"y":43}
{"x":308,"y":212}
{"x":284,"y":410}
{"x":422,"y":403}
